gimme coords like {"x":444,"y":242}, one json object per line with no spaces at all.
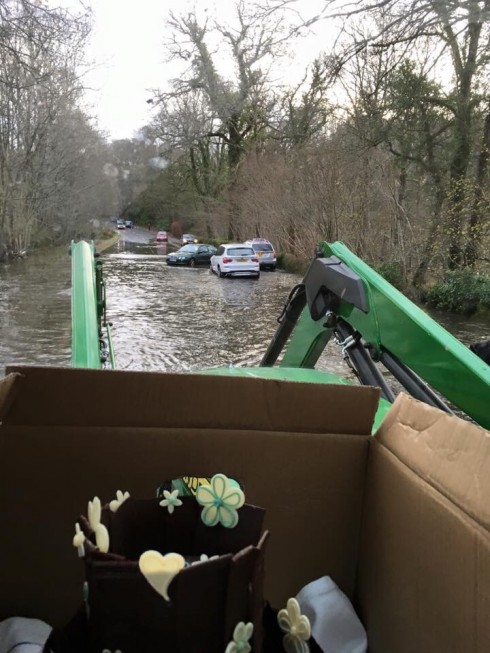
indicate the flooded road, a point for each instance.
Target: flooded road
{"x":178,"y":318}
{"x":164,"y":318}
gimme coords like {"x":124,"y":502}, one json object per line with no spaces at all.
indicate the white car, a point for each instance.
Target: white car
{"x":235,"y":260}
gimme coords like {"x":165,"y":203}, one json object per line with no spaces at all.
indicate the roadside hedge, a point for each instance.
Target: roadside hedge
{"x":462,"y":291}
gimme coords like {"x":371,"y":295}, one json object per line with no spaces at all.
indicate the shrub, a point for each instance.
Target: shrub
{"x":392,"y":271}
{"x":292,"y":263}
{"x":462,"y":291}
{"x":216,"y":242}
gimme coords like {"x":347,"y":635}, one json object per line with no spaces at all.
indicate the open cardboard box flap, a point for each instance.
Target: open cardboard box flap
{"x":78,"y":397}
{"x":424,"y":556}
{"x":399,"y":521}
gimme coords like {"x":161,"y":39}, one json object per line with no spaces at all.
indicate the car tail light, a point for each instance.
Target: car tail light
{"x":255,"y":260}
{"x":227,"y":260}
{"x":273,"y":253}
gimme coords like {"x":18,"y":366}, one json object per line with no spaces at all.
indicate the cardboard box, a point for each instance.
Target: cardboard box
{"x":399,"y":520}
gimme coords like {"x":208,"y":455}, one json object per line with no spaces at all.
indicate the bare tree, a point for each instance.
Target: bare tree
{"x":304,"y":110}
{"x":458,"y":31}
{"x":50,"y":156}
{"x":215,"y":116}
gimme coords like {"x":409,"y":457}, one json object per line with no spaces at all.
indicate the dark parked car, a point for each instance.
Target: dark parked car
{"x":129,"y":224}
{"x":187,"y":239}
{"x":191,"y":255}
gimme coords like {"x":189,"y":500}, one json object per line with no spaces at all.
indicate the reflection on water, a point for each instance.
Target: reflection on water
{"x":35,"y":323}
{"x":164,"y":318}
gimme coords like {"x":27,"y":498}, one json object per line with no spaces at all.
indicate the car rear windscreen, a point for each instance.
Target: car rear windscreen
{"x":262,"y":247}
{"x":240,"y":251}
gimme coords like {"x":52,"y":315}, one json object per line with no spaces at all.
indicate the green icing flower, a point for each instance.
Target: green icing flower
{"x":241,"y":635}
{"x":171,"y":500}
{"x":221,"y":500}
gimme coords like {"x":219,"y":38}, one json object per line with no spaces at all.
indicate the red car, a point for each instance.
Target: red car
{"x":161,"y":237}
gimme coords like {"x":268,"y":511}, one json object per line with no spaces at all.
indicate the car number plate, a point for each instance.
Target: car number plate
{"x":261,"y":253}
{"x":242,"y":260}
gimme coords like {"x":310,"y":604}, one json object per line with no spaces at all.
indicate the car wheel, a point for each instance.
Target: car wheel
{"x":220,"y":274}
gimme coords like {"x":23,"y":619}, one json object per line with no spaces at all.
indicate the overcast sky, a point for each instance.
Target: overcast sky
{"x":127,"y":45}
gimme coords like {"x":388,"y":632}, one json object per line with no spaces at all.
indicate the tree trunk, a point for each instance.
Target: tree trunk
{"x":235,"y":143}
{"x":457,"y":188}
{"x":420,"y":275}
{"x":194,"y":171}
{"x":234,"y":215}
{"x":428,"y":251}
{"x":480,"y":207}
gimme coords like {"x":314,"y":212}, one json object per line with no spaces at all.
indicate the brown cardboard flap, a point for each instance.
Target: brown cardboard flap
{"x":8,"y":389}
{"x":82,"y":397}
{"x":451,"y":454}
{"x":424,"y":568}
{"x":311,"y":486}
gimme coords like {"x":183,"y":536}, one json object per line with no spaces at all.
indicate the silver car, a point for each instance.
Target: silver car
{"x":235,"y":260}
{"x":265,"y":253}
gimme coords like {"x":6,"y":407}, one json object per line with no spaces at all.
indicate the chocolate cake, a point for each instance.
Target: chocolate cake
{"x":178,"y":575}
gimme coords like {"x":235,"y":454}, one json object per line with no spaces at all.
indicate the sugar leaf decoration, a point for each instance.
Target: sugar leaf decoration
{"x":78,"y":540}
{"x":119,"y":500}
{"x":94,"y":513}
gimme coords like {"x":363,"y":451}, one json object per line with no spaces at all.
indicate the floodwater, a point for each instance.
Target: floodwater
{"x":180,"y":319}
{"x":164,"y":318}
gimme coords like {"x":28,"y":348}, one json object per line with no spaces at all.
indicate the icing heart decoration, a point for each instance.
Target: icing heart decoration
{"x":160,"y":570}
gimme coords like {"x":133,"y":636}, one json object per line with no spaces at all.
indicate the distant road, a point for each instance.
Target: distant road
{"x":143,"y":236}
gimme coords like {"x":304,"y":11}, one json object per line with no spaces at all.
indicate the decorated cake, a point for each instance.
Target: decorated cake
{"x":176,"y":574}
{"x":184,"y":573}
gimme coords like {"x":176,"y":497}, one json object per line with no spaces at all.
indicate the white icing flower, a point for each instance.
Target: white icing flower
{"x":241,"y":636}
{"x":221,"y":500}
{"x":204,"y":558}
{"x":94,"y":513}
{"x":120,"y":499}
{"x":296,"y":626}
{"x":171,"y":500}
{"x":78,"y":540}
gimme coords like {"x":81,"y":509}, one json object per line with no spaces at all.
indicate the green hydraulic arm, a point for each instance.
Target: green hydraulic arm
{"x":394,"y":331}
{"x":91,"y":334}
